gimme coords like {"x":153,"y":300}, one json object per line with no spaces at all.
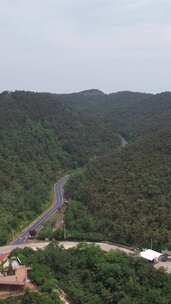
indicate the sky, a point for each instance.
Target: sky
{"x":72,"y":45}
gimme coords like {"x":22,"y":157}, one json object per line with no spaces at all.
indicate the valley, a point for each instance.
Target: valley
{"x":118,"y":193}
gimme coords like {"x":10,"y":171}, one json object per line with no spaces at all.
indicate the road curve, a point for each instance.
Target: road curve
{"x":123,"y":141}
{"x":66,"y":245}
{"x":59,"y":192}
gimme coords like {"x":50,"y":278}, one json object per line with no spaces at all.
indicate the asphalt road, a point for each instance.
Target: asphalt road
{"x":123,"y":141}
{"x":59,"y":191}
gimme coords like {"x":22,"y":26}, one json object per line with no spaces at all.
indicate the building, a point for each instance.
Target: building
{"x":13,"y":275}
{"x":153,"y":256}
{"x":19,"y":278}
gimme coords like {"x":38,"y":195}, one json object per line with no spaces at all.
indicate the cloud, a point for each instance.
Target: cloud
{"x":64,"y":45}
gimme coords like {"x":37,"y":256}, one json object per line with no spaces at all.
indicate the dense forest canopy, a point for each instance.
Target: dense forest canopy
{"x":125,"y":196}
{"x":118,"y":194}
{"x":43,"y":135}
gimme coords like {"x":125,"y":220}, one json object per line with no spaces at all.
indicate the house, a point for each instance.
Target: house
{"x":13,"y":275}
{"x":152,"y":256}
{"x":19,"y":278}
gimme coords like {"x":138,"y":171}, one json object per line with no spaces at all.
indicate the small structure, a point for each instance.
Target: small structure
{"x":13,"y":274}
{"x":3,"y":257}
{"x":19,"y":278}
{"x":12,"y":263}
{"x":152,"y":256}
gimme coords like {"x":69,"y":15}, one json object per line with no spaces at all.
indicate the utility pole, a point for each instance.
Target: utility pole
{"x":151,"y":244}
{"x":64,"y":232}
{"x":13,"y":235}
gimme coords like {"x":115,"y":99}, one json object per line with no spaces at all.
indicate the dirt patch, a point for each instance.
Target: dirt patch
{"x":63,"y":297}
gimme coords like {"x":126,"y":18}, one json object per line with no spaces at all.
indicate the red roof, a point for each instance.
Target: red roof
{"x":3,"y":256}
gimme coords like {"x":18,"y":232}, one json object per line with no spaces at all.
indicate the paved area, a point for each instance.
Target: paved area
{"x":66,"y":244}
{"x":104,"y":246}
{"x":34,"y":246}
{"x":38,"y":223}
{"x":165,"y":265}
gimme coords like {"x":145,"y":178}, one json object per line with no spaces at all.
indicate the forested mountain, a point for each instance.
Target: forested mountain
{"x":131,"y":114}
{"x":125,"y":196}
{"x":43,"y":135}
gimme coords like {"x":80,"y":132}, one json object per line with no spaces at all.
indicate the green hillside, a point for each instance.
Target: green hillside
{"x":125,"y":196}
{"x":43,"y":135}
{"x":131,"y":114}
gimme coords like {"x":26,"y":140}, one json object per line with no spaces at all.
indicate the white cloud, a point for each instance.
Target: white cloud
{"x":63,"y":45}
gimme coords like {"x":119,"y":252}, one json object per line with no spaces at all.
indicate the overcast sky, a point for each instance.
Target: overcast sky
{"x":71,"y":45}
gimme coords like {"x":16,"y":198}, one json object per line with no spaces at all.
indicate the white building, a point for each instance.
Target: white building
{"x":151,"y":255}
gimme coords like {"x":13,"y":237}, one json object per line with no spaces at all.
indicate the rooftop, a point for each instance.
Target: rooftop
{"x":150,"y":254}
{"x":3,"y":257}
{"x":19,"y":278}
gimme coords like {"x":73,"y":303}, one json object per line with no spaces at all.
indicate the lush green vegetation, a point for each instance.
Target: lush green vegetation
{"x":34,"y":298}
{"x":90,"y":276}
{"x":41,"y":137}
{"x":30,"y":161}
{"x":44,"y":135}
{"x":121,"y":194}
{"x":125,"y":196}
{"x":130,"y":114}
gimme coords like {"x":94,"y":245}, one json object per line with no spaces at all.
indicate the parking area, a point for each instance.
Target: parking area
{"x":166,"y":265}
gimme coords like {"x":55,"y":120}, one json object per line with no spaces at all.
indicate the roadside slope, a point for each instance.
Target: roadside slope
{"x":124,"y":196}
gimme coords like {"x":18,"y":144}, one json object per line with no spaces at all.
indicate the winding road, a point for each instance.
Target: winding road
{"x":123,"y":141}
{"x":59,"y":191}
{"x":20,"y":242}
{"x":36,"y":225}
